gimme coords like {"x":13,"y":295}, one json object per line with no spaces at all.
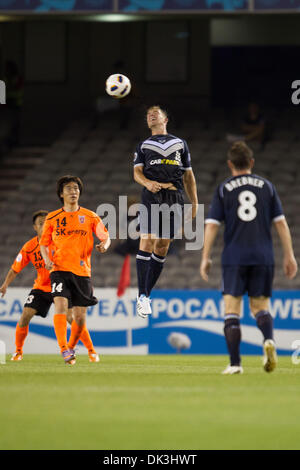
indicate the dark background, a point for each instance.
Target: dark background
{"x":223,"y":62}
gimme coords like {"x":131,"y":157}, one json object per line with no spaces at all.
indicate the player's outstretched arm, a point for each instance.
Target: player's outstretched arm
{"x":190,"y":187}
{"x":8,"y":280}
{"x":290,"y":266}
{"x":211,"y":231}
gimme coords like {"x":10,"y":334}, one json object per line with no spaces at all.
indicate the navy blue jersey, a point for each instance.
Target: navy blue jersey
{"x":164,"y":158}
{"x":248,"y":204}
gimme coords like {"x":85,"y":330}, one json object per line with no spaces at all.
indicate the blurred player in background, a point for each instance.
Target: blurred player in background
{"x":162,"y":165}
{"x":248,"y":205}
{"x":40,"y":298}
{"x":254,"y":124}
{"x":70,"y":231}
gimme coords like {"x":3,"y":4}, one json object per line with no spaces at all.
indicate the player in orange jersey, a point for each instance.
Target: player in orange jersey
{"x":70,"y":231}
{"x":40,"y":298}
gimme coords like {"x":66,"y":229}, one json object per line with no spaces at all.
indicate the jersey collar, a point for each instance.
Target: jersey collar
{"x":73,"y":212}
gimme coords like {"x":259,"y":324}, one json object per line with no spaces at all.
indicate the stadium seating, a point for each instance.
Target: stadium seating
{"x":102,"y":156}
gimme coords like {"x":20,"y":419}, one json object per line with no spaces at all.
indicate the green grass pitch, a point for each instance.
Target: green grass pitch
{"x":148,"y":402}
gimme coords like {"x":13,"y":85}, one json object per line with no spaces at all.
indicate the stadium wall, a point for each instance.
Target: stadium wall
{"x":115,"y":328}
{"x":255,"y":31}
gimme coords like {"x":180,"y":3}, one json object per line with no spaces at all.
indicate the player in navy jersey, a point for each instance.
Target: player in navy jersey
{"x":248,"y":205}
{"x":162,"y":165}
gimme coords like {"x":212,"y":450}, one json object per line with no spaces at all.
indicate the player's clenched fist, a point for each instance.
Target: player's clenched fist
{"x":290,"y":266}
{"x":153,"y":186}
{"x":49,"y":265}
{"x":103,"y":246}
{"x":205,"y":268}
{"x":3,"y":290}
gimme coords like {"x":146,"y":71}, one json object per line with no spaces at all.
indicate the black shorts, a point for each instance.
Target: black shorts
{"x":255,"y":280}
{"x":77,"y":289}
{"x":155,"y":215}
{"x":40,"y":301}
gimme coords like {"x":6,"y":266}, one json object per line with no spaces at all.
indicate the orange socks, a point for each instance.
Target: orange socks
{"x":76,"y":331}
{"x":60,"y":327}
{"x":86,"y":339}
{"x":21,"y":333}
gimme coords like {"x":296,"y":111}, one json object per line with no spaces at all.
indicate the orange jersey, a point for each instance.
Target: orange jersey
{"x":31,"y":252}
{"x":71,"y":236}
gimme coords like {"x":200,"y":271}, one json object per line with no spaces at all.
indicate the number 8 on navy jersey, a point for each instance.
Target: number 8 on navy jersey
{"x":248,"y":205}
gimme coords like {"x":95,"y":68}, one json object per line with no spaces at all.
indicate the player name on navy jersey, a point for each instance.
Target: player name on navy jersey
{"x":238,"y":182}
{"x":248,"y":204}
{"x":165,"y":158}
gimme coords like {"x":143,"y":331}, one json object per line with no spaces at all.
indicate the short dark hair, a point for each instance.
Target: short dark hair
{"x":164,"y":111}
{"x":40,"y":213}
{"x":240,"y":155}
{"x":65,"y":180}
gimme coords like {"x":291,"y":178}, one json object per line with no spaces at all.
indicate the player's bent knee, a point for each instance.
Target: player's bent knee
{"x":161,"y":247}
{"x":26,"y":316}
{"x":79,"y":314}
{"x":61,"y":305}
{"x":146,"y":243}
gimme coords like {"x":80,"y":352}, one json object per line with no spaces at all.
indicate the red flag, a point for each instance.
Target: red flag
{"x":124,"y":281}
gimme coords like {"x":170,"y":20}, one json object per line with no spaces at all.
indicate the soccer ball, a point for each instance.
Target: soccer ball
{"x":118,"y":85}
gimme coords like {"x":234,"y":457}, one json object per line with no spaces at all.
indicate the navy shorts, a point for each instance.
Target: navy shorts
{"x":77,"y":289}
{"x":155,"y":214}
{"x":256,"y":280}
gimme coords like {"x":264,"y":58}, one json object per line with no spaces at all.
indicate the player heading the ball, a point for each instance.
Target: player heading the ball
{"x":162,"y":165}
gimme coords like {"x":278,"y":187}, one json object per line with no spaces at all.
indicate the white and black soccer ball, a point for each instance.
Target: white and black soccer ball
{"x":118,"y":85}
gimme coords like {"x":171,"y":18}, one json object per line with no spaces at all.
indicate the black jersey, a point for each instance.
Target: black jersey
{"x":165,"y":158}
{"x":248,"y":204}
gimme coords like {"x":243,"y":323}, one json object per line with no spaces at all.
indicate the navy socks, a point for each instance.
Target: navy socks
{"x":142,"y":262}
{"x":154,"y":270}
{"x":149,"y":267}
{"x":264,"y":322}
{"x":232,"y":333}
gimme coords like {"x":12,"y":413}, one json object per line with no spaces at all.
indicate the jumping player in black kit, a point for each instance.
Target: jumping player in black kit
{"x":249,"y":205}
{"x":162,"y":165}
